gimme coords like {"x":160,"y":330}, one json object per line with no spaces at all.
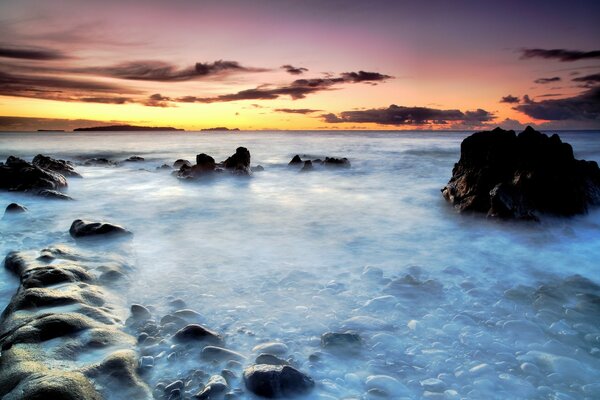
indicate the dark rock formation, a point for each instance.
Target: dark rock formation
{"x":53,"y":194}
{"x":516,"y":176}
{"x":52,"y":353}
{"x":308,"y":166}
{"x":14,"y":208}
{"x":180,"y":162}
{"x":82,"y":228}
{"x":61,"y":166}
{"x":277,"y":381}
{"x":239,"y":163}
{"x":127,"y":128}
{"x":17,"y":174}
{"x":98,"y":161}
{"x":134,"y":159}
{"x":205,"y":162}
{"x":336,"y":162}
{"x":196,"y":333}
{"x":296,"y":160}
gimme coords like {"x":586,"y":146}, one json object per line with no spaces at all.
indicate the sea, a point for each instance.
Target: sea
{"x":448,"y":306}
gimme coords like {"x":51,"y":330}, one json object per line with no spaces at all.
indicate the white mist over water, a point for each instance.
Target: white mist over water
{"x":493,"y":310}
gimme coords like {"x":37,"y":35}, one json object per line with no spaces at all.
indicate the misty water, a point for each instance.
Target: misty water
{"x":448,"y":305}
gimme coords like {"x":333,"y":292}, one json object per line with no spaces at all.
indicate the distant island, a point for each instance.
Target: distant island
{"x":50,"y":130}
{"x":127,"y":128}
{"x":220,"y":128}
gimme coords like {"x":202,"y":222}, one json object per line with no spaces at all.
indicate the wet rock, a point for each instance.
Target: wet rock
{"x":139,"y":312}
{"x":296,"y":160}
{"x":333,"y":162}
{"x":82,"y":229}
{"x":14,"y":208}
{"x":258,"y":168}
{"x":387,"y":384}
{"x":196,"y":333}
{"x":53,"y":194}
{"x":164,"y":166}
{"x":98,"y":161}
{"x":308,"y":166}
{"x":341,"y":341}
{"x":63,"y":167}
{"x":239,"y":163}
{"x":19,"y":175}
{"x":205,"y":161}
{"x":146,"y":362}
{"x":270,"y":359}
{"x":271,"y":348}
{"x":220,"y":354}
{"x":216,"y":386}
{"x":277,"y":381}
{"x":176,"y":385}
{"x":55,"y":386}
{"x":179,"y":163}
{"x":513,"y":176}
{"x":134,"y":159}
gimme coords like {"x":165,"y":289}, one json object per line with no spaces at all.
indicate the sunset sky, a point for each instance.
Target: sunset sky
{"x":300,"y":64}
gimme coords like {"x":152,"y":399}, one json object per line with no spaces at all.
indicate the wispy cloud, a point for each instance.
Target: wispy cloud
{"x":559,"y":54}
{"x":294,"y":70}
{"x":585,"y":106}
{"x":543,"y":81}
{"x":32,"y":53}
{"x":509,"y":99}
{"x":296,"y":110}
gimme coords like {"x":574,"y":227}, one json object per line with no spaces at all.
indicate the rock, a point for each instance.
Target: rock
{"x":19,"y":175}
{"x":308,"y":166}
{"x":134,"y":159}
{"x":196,"y":333}
{"x":14,"y":208}
{"x":53,"y":194}
{"x":239,"y":163}
{"x":205,"y":161}
{"x":220,"y":354}
{"x":296,"y":160}
{"x":176,"y":385}
{"x":63,"y":167}
{"x":271,"y":348}
{"x":277,"y":381}
{"x":180,"y":162}
{"x":139,"y":312}
{"x":146,"y":362}
{"x":83,"y":229}
{"x":258,"y":168}
{"x":98,"y":161}
{"x":391,"y":386}
{"x":341,"y":342}
{"x":215,"y":386}
{"x":516,"y":176}
{"x":270,"y":359}
{"x":336,"y":162}
{"x":164,"y":166}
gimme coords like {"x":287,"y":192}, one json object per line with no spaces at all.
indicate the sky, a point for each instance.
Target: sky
{"x":286,"y":64}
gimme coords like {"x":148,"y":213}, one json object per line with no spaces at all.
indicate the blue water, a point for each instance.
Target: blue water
{"x":493,"y":310}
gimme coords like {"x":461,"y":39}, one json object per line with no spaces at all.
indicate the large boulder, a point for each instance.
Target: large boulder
{"x":239,"y":162}
{"x":82,"y":228}
{"x":517,"y":176}
{"x":20,"y":175}
{"x":277,"y":381}
{"x":61,"y":166}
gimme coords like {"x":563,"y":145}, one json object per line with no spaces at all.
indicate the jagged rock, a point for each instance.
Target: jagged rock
{"x":517,"y":176}
{"x":336,"y":162}
{"x":63,"y":167}
{"x":82,"y":228}
{"x":308,"y":166}
{"x":17,"y":174}
{"x":277,"y":381}
{"x":134,"y":159}
{"x":239,"y":163}
{"x":296,"y":160}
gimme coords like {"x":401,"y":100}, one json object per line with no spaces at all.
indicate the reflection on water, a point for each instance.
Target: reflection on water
{"x":447,"y":304}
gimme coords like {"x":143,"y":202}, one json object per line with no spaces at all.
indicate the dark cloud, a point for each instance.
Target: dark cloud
{"x":296,"y":110}
{"x":543,"y":81}
{"x":559,"y":54}
{"x":400,"y":115}
{"x":106,"y":100}
{"x":510,"y":99}
{"x":158,"y":100}
{"x":294,"y":70}
{"x":32,"y":54}
{"x":588,"y":79}
{"x":298,"y":89}
{"x":585,"y":106}
{"x":164,"y":72}
{"x":549,"y":95}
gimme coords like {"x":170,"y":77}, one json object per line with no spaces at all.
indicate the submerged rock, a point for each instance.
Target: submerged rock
{"x":336,"y":162}
{"x":98,"y":161}
{"x":296,"y":160}
{"x":308,"y":166}
{"x":53,"y":194}
{"x":239,"y":163}
{"x":277,"y":381}
{"x":20,"y":175}
{"x":341,"y":341}
{"x":14,"y":208}
{"x":61,"y":166}
{"x":82,"y":228}
{"x":196,"y":333}
{"x":181,"y":162}
{"x":134,"y":159}
{"x":517,"y":176}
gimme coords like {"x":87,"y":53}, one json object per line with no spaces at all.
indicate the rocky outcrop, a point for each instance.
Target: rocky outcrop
{"x":61,"y":166}
{"x":519,"y":176}
{"x":20,"y":175}
{"x":59,"y":335}
{"x":237,"y":164}
{"x":328,"y":162}
{"x":134,"y":159}
{"x":85,"y":229}
{"x":276,"y":381}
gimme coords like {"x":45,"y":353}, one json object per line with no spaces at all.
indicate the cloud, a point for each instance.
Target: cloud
{"x":158,"y":100}
{"x":10,"y":123}
{"x":559,"y":54}
{"x":589,"y":80}
{"x":294,"y":70}
{"x":296,"y":110}
{"x":106,"y":100}
{"x":297,"y":89}
{"x":401,"y":115}
{"x":543,"y":81}
{"x":164,"y":72}
{"x":585,"y":106}
{"x":32,"y":54}
{"x":510,"y":99}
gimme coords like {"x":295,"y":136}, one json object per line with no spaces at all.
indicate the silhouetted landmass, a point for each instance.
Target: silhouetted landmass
{"x":50,"y":130}
{"x":127,"y":128}
{"x":220,"y":128}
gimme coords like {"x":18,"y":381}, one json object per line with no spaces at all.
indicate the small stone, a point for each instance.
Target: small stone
{"x":146,"y":362}
{"x":270,"y":359}
{"x":139,"y":312}
{"x":276,"y":381}
{"x":196,"y":333}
